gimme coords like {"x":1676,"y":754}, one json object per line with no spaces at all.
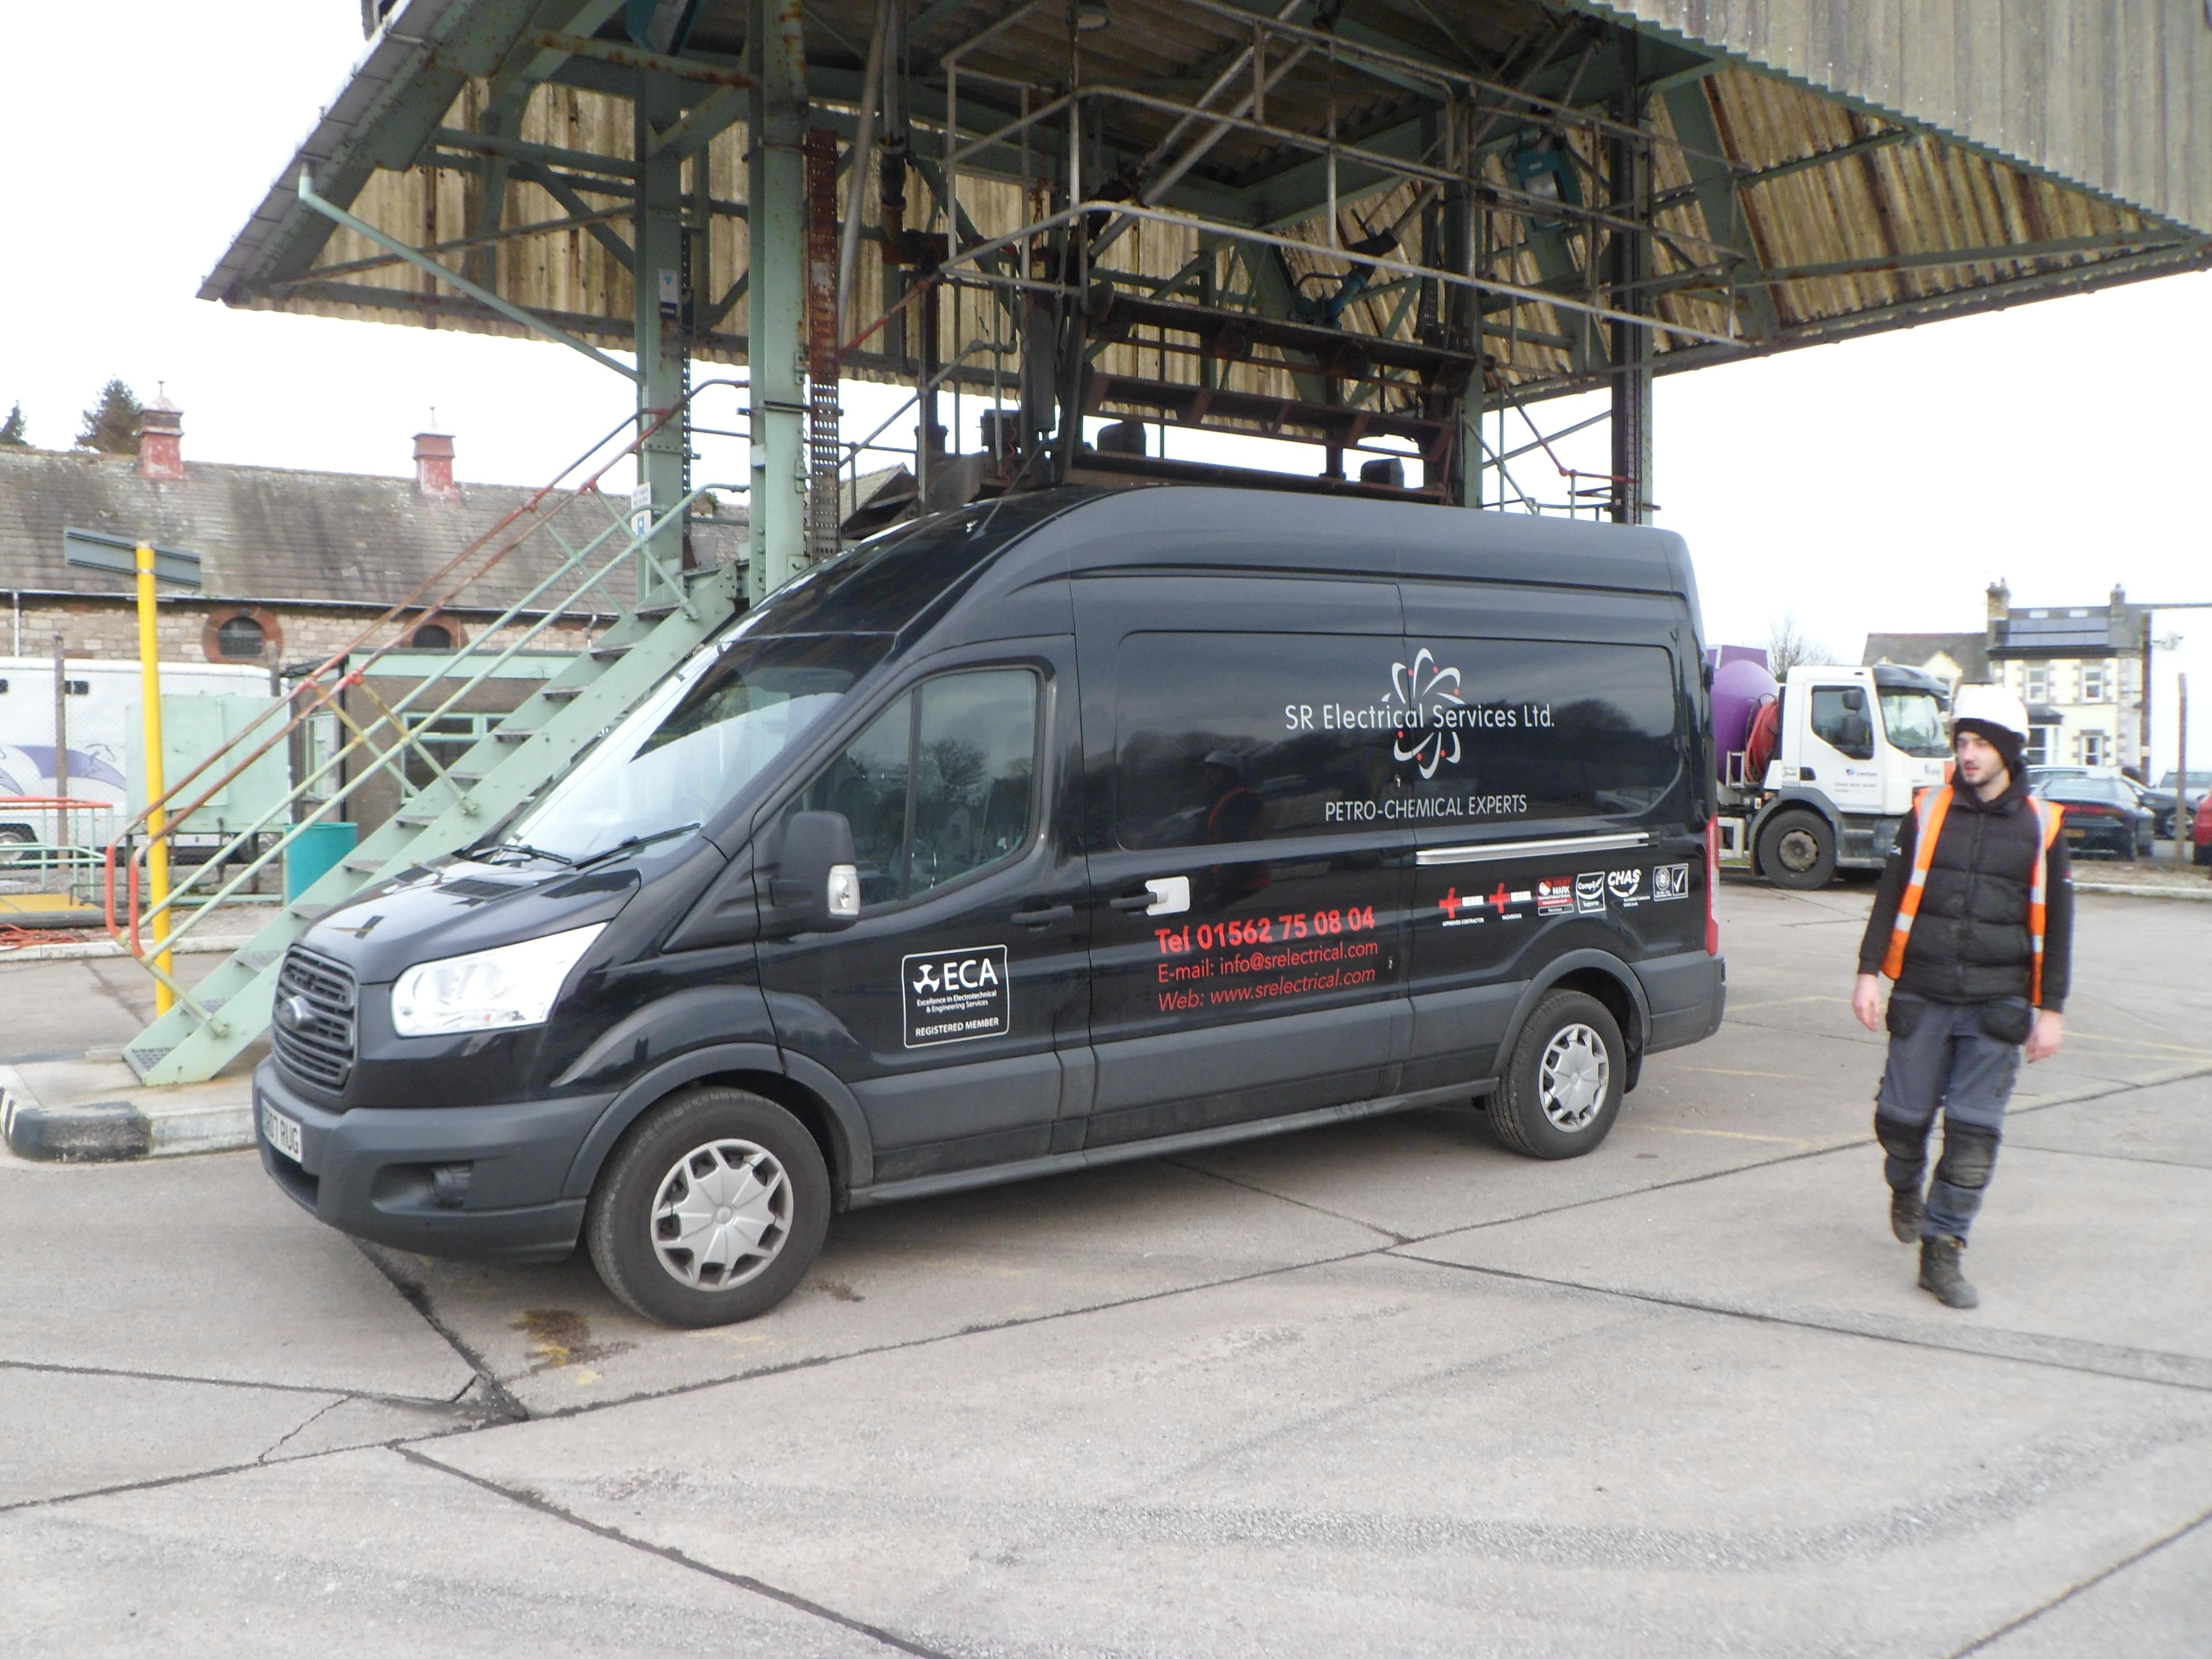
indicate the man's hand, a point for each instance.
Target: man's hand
{"x":2050,"y":1032}
{"x":1865,"y":1002}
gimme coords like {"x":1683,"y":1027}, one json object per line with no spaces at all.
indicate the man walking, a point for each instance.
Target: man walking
{"x":1974,"y":922}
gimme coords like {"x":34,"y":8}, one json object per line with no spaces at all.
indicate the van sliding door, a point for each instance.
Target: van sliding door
{"x":1561,"y":815}
{"x":1249,"y":880}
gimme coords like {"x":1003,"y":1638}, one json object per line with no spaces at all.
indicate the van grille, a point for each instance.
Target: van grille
{"x":318,"y":1047}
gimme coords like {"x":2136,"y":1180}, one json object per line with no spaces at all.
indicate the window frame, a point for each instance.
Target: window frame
{"x":1867,"y":715}
{"x":1042,"y":679}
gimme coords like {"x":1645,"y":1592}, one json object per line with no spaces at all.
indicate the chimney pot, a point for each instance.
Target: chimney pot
{"x":434,"y":466}
{"x":161,"y":434}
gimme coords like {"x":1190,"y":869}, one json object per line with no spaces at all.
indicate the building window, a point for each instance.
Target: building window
{"x":2095,"y":748}
{"x":2095,"y":684}
{"x":241,"y":633}
{"x":2039,"y":682}
{"x":431,"y":636}
{"x":2038,"y":745}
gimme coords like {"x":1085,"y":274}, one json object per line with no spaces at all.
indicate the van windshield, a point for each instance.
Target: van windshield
{"x":1914,"y":723}
{"x":700,"y":736}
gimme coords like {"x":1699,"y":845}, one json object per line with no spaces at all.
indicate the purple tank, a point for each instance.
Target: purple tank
{"x":1739,"y":687}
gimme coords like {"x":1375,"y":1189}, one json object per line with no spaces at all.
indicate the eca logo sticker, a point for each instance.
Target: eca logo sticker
{"x":956,"y":996}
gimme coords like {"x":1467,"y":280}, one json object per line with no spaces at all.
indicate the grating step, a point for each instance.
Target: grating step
{"x":257,"y":960}
{"x":415,"y":820}
{"x":610,"y":653}
{"x":361,"y":866}
{"x":561,"y":693}
{"x":142,"y":1060}
{"x":307,"y":912}
{"x":515,"y":733}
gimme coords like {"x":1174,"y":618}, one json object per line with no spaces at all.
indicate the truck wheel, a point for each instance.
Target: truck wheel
{"x":1798,"y":850}
{"x":1562,"y":1088}
{"x":710,"y":1209}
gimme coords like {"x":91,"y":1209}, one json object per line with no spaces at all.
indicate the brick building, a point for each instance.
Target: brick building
{"x":2079,"y":669}
{"x":295,"y":565}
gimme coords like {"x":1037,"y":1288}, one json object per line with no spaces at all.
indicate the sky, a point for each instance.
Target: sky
{"x":1878,"y":485}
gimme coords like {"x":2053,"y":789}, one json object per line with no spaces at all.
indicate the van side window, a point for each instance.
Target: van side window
{"x":1225,"y":738}
{"x":939,"y":784}
{"x":1840,"y":720}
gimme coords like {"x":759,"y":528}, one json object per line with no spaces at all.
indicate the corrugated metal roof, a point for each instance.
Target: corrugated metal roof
{"x":1904,"y":161}
{"x":2111,"y":95}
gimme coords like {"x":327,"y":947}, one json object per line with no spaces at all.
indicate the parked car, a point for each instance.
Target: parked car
{"x":2204,"y":836}
{"x":2101,"y":815}
{"x":2200,"y":783}
{"x":2159,"y":803}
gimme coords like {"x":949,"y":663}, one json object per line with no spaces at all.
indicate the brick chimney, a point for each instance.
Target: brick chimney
{"x":2000,"y":601}
{"x":161,"y":434}
{"x":434,"y":466}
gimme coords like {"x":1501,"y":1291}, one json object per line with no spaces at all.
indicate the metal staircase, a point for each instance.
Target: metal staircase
{"x":210,"y":1023}
{"x":230,"y":1008}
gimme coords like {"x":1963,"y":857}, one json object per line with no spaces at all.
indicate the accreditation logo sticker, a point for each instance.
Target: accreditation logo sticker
{"x":1670,"y":881}
{"x":956,"y":996}
{"x":1589,"y":892}
{"x":1555,"y":896}
{"x":1627,"y":886}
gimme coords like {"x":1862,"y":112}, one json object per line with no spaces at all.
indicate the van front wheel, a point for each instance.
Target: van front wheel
{"x":710,"y":1209}
{"x":1562,"y":1088}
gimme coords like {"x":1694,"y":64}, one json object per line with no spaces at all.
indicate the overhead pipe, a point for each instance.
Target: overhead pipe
{"x":864,"y":142}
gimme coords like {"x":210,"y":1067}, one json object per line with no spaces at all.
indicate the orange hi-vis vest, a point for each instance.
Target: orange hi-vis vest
{"x":1930,"y":806}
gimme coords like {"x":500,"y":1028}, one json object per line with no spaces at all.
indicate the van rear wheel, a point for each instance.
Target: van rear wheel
{"x":1562,"y":1088}
{"x":1798,"y":850}
{"x":710,"y":1209}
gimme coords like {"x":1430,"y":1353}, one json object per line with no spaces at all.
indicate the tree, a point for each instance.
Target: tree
{"x":109,"y":424}
{"x":1788,"y":646}
{"x":11,"y":430}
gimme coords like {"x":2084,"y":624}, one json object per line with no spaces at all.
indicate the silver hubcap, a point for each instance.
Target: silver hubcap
{"x":1572,"y":1082}
{"x":721,"y":1215}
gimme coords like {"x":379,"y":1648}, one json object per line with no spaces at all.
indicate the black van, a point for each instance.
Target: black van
{"x":1068,"y":827}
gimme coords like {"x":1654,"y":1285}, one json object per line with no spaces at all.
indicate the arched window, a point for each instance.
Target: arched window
{"x":432,"y":636}
{"x":241,"y":639}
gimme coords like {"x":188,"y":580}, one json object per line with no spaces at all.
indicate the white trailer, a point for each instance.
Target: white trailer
{"x":102,"y":697}
{"x":1852,"y":748}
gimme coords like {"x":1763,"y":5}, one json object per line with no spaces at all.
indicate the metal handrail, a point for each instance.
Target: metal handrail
{"x":347,"y":667}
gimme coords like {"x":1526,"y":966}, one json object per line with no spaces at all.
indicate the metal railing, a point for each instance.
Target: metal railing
{"x":592,"y":536}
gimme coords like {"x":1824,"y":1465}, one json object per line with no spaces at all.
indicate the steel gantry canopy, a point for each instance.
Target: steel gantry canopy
{"x":1380,"y":226}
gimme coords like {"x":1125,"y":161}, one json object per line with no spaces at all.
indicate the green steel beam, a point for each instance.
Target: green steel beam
{"x":1690,"y":109}
{"x":777,"y":300}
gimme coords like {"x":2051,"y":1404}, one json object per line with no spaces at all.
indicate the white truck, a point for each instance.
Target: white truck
{"x":1820,"y":781}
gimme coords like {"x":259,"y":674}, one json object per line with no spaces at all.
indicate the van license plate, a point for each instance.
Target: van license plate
{"x":283,"y":1134}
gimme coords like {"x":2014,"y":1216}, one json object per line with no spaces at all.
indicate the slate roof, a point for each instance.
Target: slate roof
{"x":2096,"y":630}
{"x":1914,"y":650}
{"x":278,"y":536}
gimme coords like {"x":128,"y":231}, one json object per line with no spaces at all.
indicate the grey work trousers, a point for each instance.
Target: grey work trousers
{"x":1960,"y":1057}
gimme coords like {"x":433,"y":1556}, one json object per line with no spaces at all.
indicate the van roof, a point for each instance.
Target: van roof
{"x":909,"y":575}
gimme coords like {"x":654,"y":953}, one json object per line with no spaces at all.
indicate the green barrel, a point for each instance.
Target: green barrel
{"x":314,"y":849}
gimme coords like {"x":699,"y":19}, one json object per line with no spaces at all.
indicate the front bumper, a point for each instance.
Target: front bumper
{"x":370,"y":1172}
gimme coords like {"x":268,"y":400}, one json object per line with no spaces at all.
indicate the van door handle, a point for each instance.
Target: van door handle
{"x":1132,"y":902}
{"x":1164,"y":895}
{"x":1045,"y":915}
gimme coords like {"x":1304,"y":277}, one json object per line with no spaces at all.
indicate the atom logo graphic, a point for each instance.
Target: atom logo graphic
{"x":1412,"y":687}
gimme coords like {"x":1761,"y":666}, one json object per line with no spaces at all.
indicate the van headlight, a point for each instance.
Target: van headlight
{"x":513,"y":985}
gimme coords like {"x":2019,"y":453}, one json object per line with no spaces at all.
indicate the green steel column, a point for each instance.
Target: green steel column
{"x":1628,"y":176}
{"x":1462,"y":308}
{"x":662,"y":348}
{"x":776,"y":298}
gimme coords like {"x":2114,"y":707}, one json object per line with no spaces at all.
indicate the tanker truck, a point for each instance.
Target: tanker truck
{"x":1814,"y":773}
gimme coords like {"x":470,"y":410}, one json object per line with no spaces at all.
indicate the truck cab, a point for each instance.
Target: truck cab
{"x":1853,"y":746}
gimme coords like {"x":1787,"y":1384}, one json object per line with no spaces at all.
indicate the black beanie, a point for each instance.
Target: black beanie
{"x":2007,"y":743}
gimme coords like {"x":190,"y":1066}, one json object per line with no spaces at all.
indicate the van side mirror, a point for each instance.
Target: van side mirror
{"x":816,"y":888}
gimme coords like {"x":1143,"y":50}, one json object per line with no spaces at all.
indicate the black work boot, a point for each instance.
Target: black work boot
{"x":1906,"y":1212}
{"x":1940,"y":1276}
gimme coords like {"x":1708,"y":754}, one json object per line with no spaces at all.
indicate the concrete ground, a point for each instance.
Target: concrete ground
{"x":1385,"y":1389}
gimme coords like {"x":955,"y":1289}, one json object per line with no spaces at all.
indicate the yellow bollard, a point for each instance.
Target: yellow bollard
{"x":157,"y":817}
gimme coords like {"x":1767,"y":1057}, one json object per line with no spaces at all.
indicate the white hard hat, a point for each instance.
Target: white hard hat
{"x":1989,"y":705}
